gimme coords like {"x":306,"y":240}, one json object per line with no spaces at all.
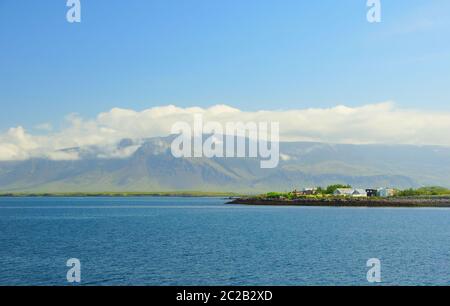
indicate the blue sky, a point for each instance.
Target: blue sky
{"x":249,"y":54}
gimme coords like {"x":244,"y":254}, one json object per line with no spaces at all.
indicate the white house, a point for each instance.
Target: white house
{"x":359,"y":193}
{"x":344,"y":192}
{"x":350,"y":192}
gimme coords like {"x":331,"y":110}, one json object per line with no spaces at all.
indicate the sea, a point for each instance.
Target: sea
{"x":204,"y":241}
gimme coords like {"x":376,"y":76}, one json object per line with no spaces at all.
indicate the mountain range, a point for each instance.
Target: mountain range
{"x":303,"y":164}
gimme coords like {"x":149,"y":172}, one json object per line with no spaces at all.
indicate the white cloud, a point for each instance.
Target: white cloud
{"x":374,"y":123}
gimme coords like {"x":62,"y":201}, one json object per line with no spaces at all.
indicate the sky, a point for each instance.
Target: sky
{"x":251,"y":55}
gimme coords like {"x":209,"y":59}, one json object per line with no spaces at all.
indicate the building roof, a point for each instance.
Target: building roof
{"x":360,"y":191}
{"x":344,"y":190}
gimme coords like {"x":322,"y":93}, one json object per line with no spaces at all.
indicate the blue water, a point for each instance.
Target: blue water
{"x":201,"y":241}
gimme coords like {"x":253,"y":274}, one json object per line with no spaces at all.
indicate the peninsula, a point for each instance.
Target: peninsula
{"x":345,"y":196}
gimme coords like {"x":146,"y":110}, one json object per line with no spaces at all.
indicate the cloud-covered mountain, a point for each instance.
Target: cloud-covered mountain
{"x":368,"y":124}
{"x":153,"y":168}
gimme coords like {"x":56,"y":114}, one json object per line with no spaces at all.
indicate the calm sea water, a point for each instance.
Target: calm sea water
{"x":201,"y":241}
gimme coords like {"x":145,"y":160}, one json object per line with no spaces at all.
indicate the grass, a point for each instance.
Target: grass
{"x":121,"y":194}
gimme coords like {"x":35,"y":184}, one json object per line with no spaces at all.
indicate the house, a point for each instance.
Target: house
{"x":386,"y":192}
{"x":359,"y":193}
{"x":344,"y":192}
{"x":305,"y":191}
{"x":372,"y":192}
{"x":350,"y":192}
{"x":309,"y":191}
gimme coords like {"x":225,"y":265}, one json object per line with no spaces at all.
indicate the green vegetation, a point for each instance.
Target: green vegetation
{"x":275,"y":195}
{"x":287,"y":196}
{"x":328,"y":191}
{"x":424,"y":191}
{"x":124,"y":194}
{"x":318,"y":194}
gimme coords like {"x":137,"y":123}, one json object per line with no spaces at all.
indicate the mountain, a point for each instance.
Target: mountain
{"x":153,"y":168}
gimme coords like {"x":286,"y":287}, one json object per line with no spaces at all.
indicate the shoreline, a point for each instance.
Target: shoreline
{"x":181,"y":194}
{"x":438,"y":202}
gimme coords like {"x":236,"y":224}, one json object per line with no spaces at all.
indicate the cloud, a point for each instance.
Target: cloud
{"x":381,"y":123}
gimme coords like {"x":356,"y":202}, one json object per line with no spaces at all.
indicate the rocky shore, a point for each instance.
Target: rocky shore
{"x":349,"y":202}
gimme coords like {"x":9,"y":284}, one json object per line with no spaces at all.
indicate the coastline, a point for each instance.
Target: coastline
{"x":185,"y":194}
{"x":406,"y":202}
